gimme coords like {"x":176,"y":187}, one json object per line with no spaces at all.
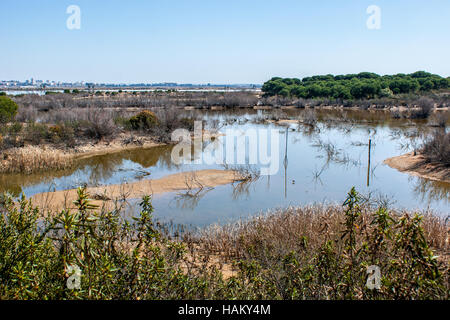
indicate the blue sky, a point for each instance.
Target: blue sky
{"x":212,"y":41}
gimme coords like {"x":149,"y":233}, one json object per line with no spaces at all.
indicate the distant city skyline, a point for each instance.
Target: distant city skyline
{"x":219,"y":42}
{"x":37,"y":82}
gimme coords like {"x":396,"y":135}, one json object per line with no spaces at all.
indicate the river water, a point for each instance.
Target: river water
{"x":318,"y":164}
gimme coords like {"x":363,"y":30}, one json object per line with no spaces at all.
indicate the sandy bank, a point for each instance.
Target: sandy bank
{"x":416,"y":165}
{"x":180,"y":181}
{"x":288,"y":121}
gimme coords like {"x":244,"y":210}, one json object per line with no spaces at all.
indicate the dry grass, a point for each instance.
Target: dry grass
{"x":308,"y":253}
{"x":33,"y":159}
{"x":284,"y":230}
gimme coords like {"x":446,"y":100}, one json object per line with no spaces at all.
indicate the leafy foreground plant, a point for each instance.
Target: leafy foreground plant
{"x":91,"y":253}
{"x":117,"y":259}
{"x":326,"y":252}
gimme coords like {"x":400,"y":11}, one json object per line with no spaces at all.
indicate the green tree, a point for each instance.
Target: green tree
{"x":364,"y":85}
{"x":367,"y":75}
{"x":420,"y":74}
{"x":315,"y":91}
{"x":356,"y":90}
{"x":444,"y":83}
{"x":369,"y":89}
{"x":8,"y":109}
{"x":341,"y":92}
{"x":427,"y":85}
{"x":285,"y":92}
{"x":386,"y":92}
{"x":299,"y":91}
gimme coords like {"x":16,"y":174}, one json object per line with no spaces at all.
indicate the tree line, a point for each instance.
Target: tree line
{"x":364,"y":85}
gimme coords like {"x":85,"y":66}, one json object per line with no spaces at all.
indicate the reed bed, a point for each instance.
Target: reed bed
{"x":282,"y":230}
{"x":32,"y":159}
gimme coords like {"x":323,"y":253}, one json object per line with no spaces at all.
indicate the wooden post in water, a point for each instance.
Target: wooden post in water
{"x":286,"y":163}
{"x":368,"y":164}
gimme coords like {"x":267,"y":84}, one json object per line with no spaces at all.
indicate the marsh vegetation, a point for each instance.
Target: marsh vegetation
{"x":296,"y":253}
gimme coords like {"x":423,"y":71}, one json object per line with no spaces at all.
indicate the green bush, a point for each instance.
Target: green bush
{"x":117,"y":259}
{"x":8,"y":109}
{"x":36,"y":132}
{"x":291,"y":262}
{"x":123,"y":122}
{"x":55,"y":133}
{"x":15,"y":128}
{"x":132,"y":259}
{"x":144,"y":120}
{"x":386,"y":92}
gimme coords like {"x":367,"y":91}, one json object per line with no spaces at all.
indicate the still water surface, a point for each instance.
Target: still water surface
{"x":317,"y":165}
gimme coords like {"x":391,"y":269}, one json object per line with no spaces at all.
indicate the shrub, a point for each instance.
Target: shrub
{"x":440,"y":119}
{"x":27,"y":113}
{"x":67,"y":134}
{"x":123,"y":122}
{"x":117,"y":260}
{"x":437,"y":148}
{"x":35,"y":132}
{"x":55,"y":133}
{"x":424,"y":108}
{"x":144,"y":120}
{"x":8,"y":109}
{"x":55,"y":129}
{"x":15,"y":128}
{"x":11,"y":135}
{"x":299,"y":253}
{"x":99,"y":124}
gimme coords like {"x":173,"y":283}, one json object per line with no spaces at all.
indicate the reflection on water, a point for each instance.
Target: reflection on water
{"x":429,"y":190}
{"x":190,"y":199}
{"x":98,"y":170}
{"x":319,"y":161}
